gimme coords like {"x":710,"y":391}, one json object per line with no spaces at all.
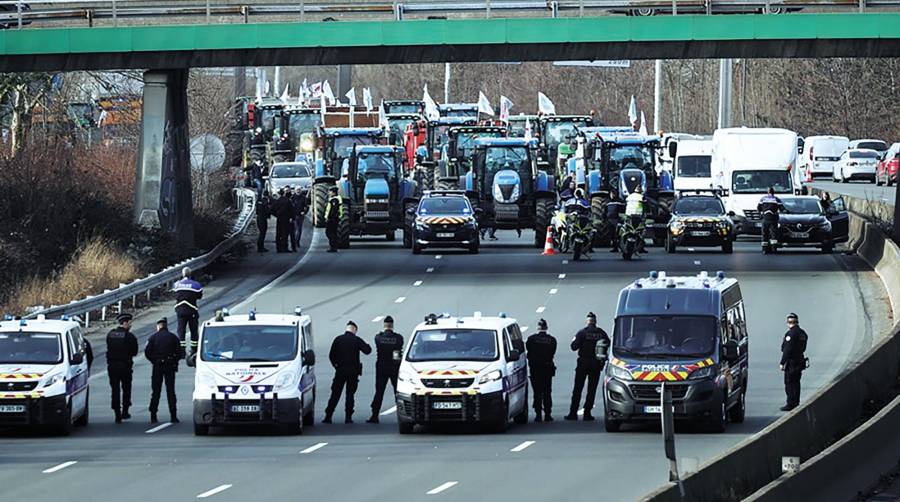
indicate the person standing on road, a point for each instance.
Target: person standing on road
{"x":333,"y":212}
{"x":300,"y":206}
{"x":283,"y":212}
{"x":121,"y":347}
{"x":344,"y":356}
{"x":769,"y":206}
{"x":793,"y":360}
{"x":541,"y":348}
{"x":389,"y":347}
{"x":588,"y":367}
{"x":163,"y":351}
{"x":187,"y":293}
{"x":263,"y":212}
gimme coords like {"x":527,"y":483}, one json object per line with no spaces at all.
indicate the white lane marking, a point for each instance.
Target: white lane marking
{"x":438,"y":256}
{"x":158,"y":428}
{"x":400,"y":299}
{"x":210,"y":493}
{"x":388,"y":411}
{"x":554,"y":291}
{"x":439,"y":489}
{"x":378,"y":319}
{"x":562,"y":276}
{"x":417,"y":284}
{"x":429,"y":270}
{"x":696,"y":262}
{"x":540,"y":310}
{"x":525,"y":444}
{"x":565,"y":262}
{"x":317,"y":236}
{"x":60,"y":467}
{"x":314,"y":447}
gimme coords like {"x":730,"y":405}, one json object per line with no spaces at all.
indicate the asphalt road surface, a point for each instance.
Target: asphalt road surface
{"x":864,"y":190}
{"x":535,"y":462}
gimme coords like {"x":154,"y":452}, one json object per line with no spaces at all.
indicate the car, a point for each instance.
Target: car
{"x":464,"y":370}
{"x":886,"y":171}
{"x":687,"y":335}
{"x":820,"y":154}
{"x":255,"y":369}
{"x":868,"y":144}
{"x":855,"y":164}
{"x":805,"y":223}
{"x":699,"y":219}
{"x":44,"y":373}
{"x":289,"y":174}
{"x":443,"y":219}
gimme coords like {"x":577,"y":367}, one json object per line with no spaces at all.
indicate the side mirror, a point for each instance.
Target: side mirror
{"x":77,"y":358}
{"x":309,"y":358}
{"x":732,"y":214}
{"x":514,"y":355}
{"x":730,"y":351}
{"x":411,"y":211}
{"x":673,"y":149}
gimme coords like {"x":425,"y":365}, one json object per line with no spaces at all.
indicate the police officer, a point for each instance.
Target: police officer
{"x":187,"y":293}
{"x":769,"y":206}
{"x":793,"y":361}
{"x":541,"y":348}
{"x":388,"y":346}
{"x":163,"y":351}
{"x":283,"y":211}
{"x":333,"y":211}
{"x":588,"y":367}
{"x":344,"y":356}
{"x":121,"y":347}
{"x":300,"y":206}
{"x":614,"y":208}
{"x":263,"y":212}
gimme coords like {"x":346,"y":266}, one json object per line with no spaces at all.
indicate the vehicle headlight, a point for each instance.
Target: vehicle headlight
{"x":307,"y":143}
{"x":498,"y":195}
{"x":677,"y":227}
{"x":619,"y":373}
{"x":408,"y":377}
{"x":53,"y":379}
{"x":206,"y":379}
{"x":723,"y":224}
{"x":515,"y":194}
{"x":285,"y":380}
{"x":825,"y":225}
{"x":701,"y":373}
{"x":492,"y":376}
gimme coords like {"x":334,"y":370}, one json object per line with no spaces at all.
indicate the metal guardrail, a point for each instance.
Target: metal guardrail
{"x":20,"y":13}
{"x":246,"y":200}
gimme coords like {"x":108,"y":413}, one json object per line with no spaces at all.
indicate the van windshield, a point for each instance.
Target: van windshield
{"x":30,"y":348}
{"x":453,"y":344}
{"x":760,"y":181}
{"x":694,"y":166}
{"x":655,"y":337}
{"x":249,"y":343}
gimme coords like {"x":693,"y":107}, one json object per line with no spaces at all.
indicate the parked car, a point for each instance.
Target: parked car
{"x":855,"y":164}
{"x":888,"y":167}
{"x":869,"y":144}
{"x":820,"y":154}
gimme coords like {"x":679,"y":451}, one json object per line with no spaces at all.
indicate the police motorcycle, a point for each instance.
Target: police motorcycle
{"x":631,"y":229}
{"x":572,"y":228}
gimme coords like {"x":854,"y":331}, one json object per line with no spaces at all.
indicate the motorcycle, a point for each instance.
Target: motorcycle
{"x":631,"y":237}
{"x":580,"y":231}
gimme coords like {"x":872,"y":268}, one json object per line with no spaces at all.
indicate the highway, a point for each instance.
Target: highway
{"x":863,"y":190}
{"x":534,"y":462}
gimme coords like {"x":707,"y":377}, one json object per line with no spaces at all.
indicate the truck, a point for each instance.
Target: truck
{"x":457,"y":154}
{"x":692,"y":161}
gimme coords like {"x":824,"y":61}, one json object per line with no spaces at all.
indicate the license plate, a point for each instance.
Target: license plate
{"x":652,"y":409}
{"x":12,"y":408}
{"x":245,"y":408}
{"x":446,"y":406}
{"x":700,"y":233}
{"x":758,"y":224}
{"x":445,"y":235}
{"x":800,"y":235}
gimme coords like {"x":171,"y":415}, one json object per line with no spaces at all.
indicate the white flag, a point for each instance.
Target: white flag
{"x":367,"y":99}
{"x":528,"y":129}
{"x":505,"y":107}
{"x":545,"y":106}
{"x":351,"y":97}
{"x":259,"y":84}
{"x":484,"y":105}
{"x":326,"y":90}
{"x":322,"y":107}
{"x":285,"y":96}
{"x":431,"y":108}
{"x":643,"y":129}
{"x":303,"y":93}
{"x":382,"y":118}
{"x":268,"y":87}
{"x":632,"y":112}
{"x":102,"y":117}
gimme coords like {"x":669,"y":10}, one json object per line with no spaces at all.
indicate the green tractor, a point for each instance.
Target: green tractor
{"x":457,"y":153}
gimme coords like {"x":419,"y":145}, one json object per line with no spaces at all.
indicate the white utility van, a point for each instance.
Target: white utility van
{"x":820,"y":153}
{"x":463,"y":370}
{"x":693,"y":170}
{"x":255,"y":369}
{"x":751,"y":160}
{"x":43,"y":374}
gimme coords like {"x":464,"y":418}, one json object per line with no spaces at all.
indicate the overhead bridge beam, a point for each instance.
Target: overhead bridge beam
{"x":438,"y":40}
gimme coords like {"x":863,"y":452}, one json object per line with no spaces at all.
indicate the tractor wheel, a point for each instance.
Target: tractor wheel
{"x":319,"y":201}
{"x":428,"y":176}
{"x":543,"y":211}
{"x":446,"y":185}
{"x":603,"y":234}
{"x":344,"y":228}
{"x":408,"y":222}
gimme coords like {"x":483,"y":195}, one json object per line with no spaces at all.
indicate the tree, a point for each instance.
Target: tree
{"x":22,"y":91}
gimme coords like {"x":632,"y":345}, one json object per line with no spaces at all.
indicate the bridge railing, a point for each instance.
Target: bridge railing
{"x":245,"y":200}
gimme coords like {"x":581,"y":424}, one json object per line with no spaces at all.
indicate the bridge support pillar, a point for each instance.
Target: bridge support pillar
{"x":162,"y":195}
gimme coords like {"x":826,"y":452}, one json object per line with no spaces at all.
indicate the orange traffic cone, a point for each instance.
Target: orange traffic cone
{"x":548,"y":244}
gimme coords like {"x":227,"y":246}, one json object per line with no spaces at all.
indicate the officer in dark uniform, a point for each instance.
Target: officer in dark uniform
{"x":121,"y":347}
{"x":588,"y":367}
{"x":187,"y":293}
{"x":614,"y":209}
{"x":793,"y":361}
{"x":300,"y":206}
{"x":769,"y":206}
{"x":344,"y":356}
{"x":263,"y":212}
{"x":283,"y":211}
{"x":388,"y":346}
{"x":333,"y":212}
{"x":541,"y":348}
{"x":163,"y":351}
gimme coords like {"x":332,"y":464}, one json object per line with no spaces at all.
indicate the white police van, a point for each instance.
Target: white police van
{"x":43,"y":374}
{"x":463,"y":370}
{"x":255,"y":369}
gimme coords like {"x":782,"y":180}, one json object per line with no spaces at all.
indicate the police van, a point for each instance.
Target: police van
{"x":463,"y":370}
{"x":255,"y":369}
{"x":689,"y":333}
{"x":43,"y":374}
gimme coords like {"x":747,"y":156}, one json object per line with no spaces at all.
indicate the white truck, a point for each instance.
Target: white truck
{"x":693,"y":161}
{"x":751,"y":160}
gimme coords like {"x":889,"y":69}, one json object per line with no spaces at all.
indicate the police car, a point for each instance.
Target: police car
{"x":43,"y":374}
{"x":699,"y":219}
{"x":255,"y":369}
{"x":442,"y":219}
{"x":463,"y":370}
{"x":687,"y":333}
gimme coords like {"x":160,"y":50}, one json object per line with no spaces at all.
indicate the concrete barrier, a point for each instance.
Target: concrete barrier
{"x":829,"y":414}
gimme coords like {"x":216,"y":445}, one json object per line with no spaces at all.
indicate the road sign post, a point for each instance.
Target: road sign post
{"x":667,"y":420}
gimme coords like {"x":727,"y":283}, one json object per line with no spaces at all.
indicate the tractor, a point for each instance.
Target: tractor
{"x":556,"y":129}
{"x":459,"y":110}
{"x":456,"y":155}
{"x":518,"y":124}
{"x":336,"y":146}
{"x":405,"y":107}
{"x":301,"y":125}
{"x":397,"y":125}
{"x":506,"y":185}
{"x":425,"y":145}
{"x":376,"y":193}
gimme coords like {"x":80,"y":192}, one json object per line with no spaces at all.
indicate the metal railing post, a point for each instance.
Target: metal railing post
{"x":19,"y":13}
{"x":302,"y":10}
{"x":862,"y":6}
{"x":207,"y":12}
{"x":245,"y":11}
{"x":581,"y":8}
{"x":554,"y":9}
{"x":115,"y":14}
{"x":87,"y":319}
{"x":674,"y":7}
{"x":487,"y":9}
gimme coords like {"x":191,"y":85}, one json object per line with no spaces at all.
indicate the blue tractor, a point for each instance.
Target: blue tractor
{"x":618,"y":161}
{"x":505,"y":183}
{"x":376,"y":193}
{"x":457,"y":153}
{"x":335,"y":147}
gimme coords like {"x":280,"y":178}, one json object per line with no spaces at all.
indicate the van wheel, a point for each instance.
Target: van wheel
{"x":65,"y":427}
{"x":611,"y":425}
{"x":728,"y":247}
{"x":739,"y":411}
{"x":522,"y":418}
{"x":718,"y":422}
{"x":501,"y":425}
{"x":84,"y":418}
{"x":201,"y":429}
{"x":405,"y":427}
{"x":309,"y":418}
{"x":670,"y":244}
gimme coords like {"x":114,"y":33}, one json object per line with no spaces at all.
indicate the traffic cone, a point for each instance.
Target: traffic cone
{"x":548,"y":244}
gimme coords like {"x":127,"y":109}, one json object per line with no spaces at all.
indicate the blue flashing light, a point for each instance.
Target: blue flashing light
{"x":502,"y":315}
{"x":8,"y":317}
{"x":252,"y":315}
{"x":720,"y":275}
{"x":23,"y":322}
{"x":654,"y":274}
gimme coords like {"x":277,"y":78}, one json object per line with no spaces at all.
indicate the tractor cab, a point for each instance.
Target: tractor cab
{"x":462,"y":110}
{"x":439,"y":133}
{"x":518,"y":124}
{"x":397,"y":125}
{"x":557,"y":129}
{"x":403,"y":107}
{"x":456,"y":158}
{"x":266,"y":116}
{"x":302,"y":125}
